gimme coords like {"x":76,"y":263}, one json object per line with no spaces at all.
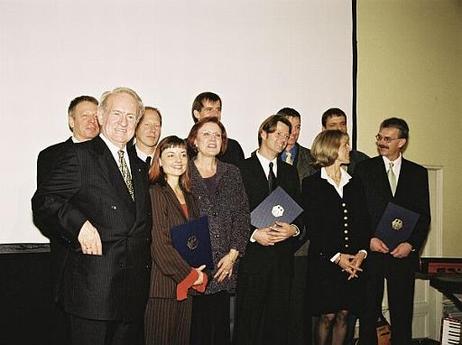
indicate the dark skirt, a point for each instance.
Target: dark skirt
{"x":329,"y":289}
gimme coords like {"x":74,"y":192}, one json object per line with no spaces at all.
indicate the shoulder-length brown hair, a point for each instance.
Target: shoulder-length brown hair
{"x":325,"y":147}
{"x":192,"y":149}
{"x":156,"y":173}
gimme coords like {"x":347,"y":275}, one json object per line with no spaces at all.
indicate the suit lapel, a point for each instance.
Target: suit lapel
{"x":139,"y":180}
{"x":111,"y":171}
{"x":174,"y":199}
{"x":403,"y":178}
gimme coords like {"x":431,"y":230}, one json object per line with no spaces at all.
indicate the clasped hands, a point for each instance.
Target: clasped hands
{"x":401,"y":251}
{"x":351,"y":264}
{"x":273,"y":234}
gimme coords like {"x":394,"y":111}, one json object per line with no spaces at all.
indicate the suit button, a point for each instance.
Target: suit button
{"x":214,"y":214}
{"x":148,"y":267}
{"x":346,"y":238}
{"x":114,"y":207}
{"x":345,"y":217}
{"x":345,"y":211}
{"x":346,"y":225}
{"x":343,"y":204}
{"x":121,"y":265}
{"x":345,"y":231}
{"x":346,"y":245}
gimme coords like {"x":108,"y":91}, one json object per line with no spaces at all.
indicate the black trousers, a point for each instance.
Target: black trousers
{"x":97,"y":332}
{"x":210,"y":319}
{"x":399,"y":274}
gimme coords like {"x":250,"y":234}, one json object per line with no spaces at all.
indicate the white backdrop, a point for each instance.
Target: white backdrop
{"x":258,"y":55}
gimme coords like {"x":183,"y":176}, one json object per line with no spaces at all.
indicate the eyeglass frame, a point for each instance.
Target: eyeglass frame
{"x":388,"y":140}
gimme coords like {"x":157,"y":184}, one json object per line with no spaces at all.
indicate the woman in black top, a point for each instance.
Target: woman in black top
{"x":337,"y":224}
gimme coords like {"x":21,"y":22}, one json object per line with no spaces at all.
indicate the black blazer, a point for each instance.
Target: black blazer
{"x":411,"y":193}
{"x":256,"y":186}
{"x":48,"y":157}
{"x":86,"y":184}
{"x":233,"y":153}
{"x":335,"y":224}
{"x":46,"y":162}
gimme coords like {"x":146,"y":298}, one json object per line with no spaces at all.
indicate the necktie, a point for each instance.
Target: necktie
{"x":148,"y":161}
{"x":126,"y":173}
{"x":272,"y":182}
{"x":391,"y":178}
{"x":289,"y":158}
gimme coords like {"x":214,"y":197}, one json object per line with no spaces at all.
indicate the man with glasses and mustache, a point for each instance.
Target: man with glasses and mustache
{"x":390,"y":177}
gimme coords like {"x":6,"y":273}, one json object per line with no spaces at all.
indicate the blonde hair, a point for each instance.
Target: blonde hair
{"x":325,"y":147}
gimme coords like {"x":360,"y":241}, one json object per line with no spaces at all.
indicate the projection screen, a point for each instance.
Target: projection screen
{"x":258,"y":55}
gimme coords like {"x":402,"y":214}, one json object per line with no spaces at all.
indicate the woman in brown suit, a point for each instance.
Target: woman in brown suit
{"x":168,"y":312}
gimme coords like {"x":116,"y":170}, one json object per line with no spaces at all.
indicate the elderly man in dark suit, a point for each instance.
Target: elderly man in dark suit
{"x":84,"y":126}
{"x":265,"y":271}
{"x":391,"y":178}
{"x":300,"y":157}
{"x":97,"y":195}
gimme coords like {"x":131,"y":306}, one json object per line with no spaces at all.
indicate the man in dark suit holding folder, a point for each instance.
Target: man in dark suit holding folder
{"x":391,"y":178}
{"x":265,"y":272}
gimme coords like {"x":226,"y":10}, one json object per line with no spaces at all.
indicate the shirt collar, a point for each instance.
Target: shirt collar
{"x":396,"y":163}
{"x":265,"y":163}
{"x":115,"y":150}
{"x":344,"y":179}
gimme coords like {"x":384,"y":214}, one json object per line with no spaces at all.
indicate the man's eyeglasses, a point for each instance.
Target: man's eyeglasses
{"x":388,"y":140}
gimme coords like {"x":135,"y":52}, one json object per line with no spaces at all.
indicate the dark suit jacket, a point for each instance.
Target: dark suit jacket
{"x":46,"y":162}
{"x":168,"y":267}
{"x":325,"y":217}
{"x":355,"y":158}
{"x":256,"y":186}
{"x":411,"y":193}
{"x":86,"y":184}
{"x":48,"y":158}
{"x":233,"y":153}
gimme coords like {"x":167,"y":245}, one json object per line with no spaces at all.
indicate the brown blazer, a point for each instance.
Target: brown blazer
{"x":168,"y":267}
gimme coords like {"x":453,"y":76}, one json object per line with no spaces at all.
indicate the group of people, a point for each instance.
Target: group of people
{"x":110,"y":196}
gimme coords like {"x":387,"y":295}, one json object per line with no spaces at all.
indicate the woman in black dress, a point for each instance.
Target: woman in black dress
{"x":337,"y":224}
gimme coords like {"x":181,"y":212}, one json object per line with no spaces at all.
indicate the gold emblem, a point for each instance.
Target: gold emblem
{"x":397,"y":224}
{"x":192,"y":242}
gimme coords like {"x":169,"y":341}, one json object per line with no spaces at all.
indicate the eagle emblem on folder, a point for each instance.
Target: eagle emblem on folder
{"x":397,"y":224}
{"x":192,"y":242}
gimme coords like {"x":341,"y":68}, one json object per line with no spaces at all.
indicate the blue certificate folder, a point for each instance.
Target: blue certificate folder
{"x":278,"y":206}
{"x":396,"y":225}
{"x":192,"y":241}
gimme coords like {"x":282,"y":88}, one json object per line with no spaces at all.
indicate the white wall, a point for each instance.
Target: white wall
{"x":257,"y":55}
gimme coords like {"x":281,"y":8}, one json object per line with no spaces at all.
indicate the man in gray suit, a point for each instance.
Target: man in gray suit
{"x":300,"y":157}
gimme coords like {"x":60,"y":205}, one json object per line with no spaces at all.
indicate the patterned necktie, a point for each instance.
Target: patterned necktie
{"x":272,"y":181}
{"x":289,"y":158}
{"x":392,"y":178}
{"x":126,"y":173}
